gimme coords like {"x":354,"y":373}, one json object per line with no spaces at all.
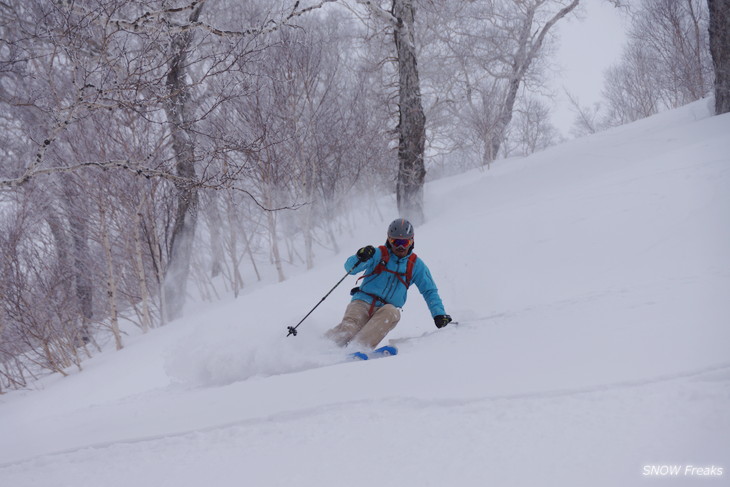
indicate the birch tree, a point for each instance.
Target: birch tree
{"x":665,"y":64}
{"x":530,"y":39}
{"x":487,"y":56}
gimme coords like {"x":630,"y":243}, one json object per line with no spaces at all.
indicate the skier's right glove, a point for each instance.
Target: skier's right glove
{"x":365,"y":253}
{"x":441,"y":320}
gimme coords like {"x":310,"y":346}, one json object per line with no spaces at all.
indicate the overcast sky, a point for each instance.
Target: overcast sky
{"x":588,"y":46}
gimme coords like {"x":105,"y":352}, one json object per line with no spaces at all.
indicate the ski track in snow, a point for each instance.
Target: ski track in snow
{"x":366,"y":411}
{"x":304,"y":443}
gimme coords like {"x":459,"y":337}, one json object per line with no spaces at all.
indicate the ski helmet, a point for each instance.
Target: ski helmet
{"x":400,"y":228}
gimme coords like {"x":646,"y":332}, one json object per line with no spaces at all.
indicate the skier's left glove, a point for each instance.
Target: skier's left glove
{"x":441,"y":320}
{"x":365,"y":253}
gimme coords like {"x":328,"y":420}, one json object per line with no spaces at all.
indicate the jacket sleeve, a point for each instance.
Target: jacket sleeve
{"x":352,"y":261}
{"x":426,"y":285}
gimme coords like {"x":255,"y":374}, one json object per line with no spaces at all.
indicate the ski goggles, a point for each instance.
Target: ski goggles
{"x":401,"y":242}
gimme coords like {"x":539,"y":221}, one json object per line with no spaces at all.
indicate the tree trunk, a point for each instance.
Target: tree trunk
{"x":308,"y":229}
{"x":178,"y":114}
{"x":275,"y":252}
{"x":61,"y":239}
{"x":216,"y":239}
{"x":520,"y":64}
{"x":155,"y":248}
{"x":412,"y":120}
{"x":232,"y":246}
{"x":111,"y":280}
{"x":79,"y":234}
{"x":139,"y":265}
{"x":720,"y":50}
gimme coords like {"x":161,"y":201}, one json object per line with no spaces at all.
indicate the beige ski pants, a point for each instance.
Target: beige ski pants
{"x":360,"y":328}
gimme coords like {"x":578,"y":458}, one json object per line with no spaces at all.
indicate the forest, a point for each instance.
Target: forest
{"x":154,"y":150}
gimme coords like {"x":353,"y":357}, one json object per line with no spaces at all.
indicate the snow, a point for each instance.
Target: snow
{"x":591,"y":284}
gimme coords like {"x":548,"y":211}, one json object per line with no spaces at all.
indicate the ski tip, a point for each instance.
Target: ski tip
{"x":358,"y":356}
{"x":386,"y":350}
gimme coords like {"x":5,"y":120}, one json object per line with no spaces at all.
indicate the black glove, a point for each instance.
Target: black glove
{"x":366,"y":253}
{"x":441,"y":320}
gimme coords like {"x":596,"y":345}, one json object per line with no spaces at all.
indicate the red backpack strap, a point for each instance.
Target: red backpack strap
{"x":409,"y":269}
{"x":384,"y":257}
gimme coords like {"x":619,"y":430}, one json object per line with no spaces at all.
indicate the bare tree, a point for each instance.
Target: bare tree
{"x":530,"y":129}
{"x":412,"y":120}
{"x":411,"y":117}
{"x":629,"y":88}
{"x":719,"y":32}
{"x":665,"y":64}
{"x":587,"y":119}
{"x":496,"y":52}
{"x":38,"y":319}
{"x":530,"y":40}
{"x":127,"y":57}
{"x":106,"y":143}
{"x":180,"y":116}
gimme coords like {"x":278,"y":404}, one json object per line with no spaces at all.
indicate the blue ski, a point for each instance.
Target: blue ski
{"x":386,"y":351}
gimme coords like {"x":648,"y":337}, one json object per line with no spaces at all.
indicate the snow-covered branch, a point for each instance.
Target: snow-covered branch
{"x":379,"y":12}
{"x":537,"y":45}
{"x":149,"y":18}
{"x":225,"y":182}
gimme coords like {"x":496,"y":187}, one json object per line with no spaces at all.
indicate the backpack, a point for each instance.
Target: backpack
{"x":385,"y":257}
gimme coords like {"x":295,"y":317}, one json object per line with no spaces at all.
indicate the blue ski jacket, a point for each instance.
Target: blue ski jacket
{"x":388,"y":287}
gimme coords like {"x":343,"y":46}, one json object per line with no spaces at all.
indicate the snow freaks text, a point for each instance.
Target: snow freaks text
{"x":682,"y":471}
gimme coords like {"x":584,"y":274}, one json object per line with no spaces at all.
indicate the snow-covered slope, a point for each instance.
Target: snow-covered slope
{"x":591,"y":284}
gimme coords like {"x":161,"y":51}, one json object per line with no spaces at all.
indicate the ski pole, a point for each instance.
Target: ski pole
{"x":293,"y":329}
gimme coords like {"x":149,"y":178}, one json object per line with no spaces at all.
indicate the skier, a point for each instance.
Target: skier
{"x":389,"y":269}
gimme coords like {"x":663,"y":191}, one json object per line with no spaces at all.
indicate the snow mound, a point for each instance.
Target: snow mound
{"x":222,"y":354}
